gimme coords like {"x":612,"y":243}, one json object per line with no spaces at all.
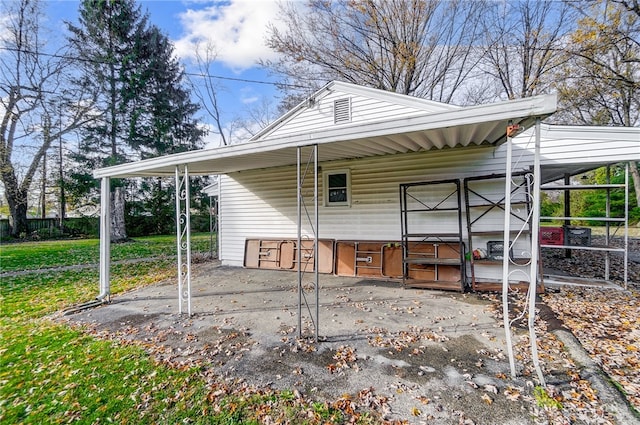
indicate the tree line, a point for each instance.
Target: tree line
{"x":117,"y":87}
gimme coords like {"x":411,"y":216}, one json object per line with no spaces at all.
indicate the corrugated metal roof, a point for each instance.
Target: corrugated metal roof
{"x":448,"y":128}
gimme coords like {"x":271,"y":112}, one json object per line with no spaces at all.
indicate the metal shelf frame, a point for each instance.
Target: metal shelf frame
{"x":480,"y":206}
{"x":445,"y":197}
{"x":608,"y":249}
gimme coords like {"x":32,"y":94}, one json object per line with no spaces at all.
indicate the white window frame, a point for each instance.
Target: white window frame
{"x":325,"y":179}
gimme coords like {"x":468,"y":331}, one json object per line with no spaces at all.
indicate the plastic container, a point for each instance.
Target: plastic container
{"x":495,"y":250}
{"x":551,"y":236}
{"x":578,"y":236}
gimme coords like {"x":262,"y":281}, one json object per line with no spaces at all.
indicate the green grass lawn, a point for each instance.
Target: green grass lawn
{"x":65,"y":252}
{"x":50,"y":373}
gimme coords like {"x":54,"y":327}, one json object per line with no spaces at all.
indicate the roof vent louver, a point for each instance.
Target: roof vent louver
{"x":341,"y":110}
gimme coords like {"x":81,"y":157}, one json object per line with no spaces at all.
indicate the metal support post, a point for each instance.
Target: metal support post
{"x":313,"y":223}
{"x":105,"y":239}
{"x":607,"y":225}
{"x":505,"y":259}
{"x":299,"y":242}
{"x":535,"y":248}
{"x":316,"y":258}
{"x":532,"y":275}
{"x":626,"y":226}
{"x":210,"y":226}
{"x":183,"y":239}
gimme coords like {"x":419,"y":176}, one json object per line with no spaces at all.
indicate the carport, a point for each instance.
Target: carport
{"x":451,"y":128}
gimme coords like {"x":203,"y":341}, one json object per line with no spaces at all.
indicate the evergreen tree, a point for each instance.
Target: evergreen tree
{"x":145,"y":109}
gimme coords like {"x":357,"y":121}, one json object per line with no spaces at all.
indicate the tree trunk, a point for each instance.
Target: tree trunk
{"x":635,"y":175}
{"x":43,"y":189}
{"x":17,"y":200}
{"x":118,"y":231}
{"x":18,"y":225}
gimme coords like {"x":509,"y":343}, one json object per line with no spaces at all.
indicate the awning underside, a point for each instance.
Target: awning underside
{"x":249,"y":156}
{"x":482,"y":125}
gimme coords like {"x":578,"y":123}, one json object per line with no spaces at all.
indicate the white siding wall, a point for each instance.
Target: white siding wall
{"x":262,"y":203}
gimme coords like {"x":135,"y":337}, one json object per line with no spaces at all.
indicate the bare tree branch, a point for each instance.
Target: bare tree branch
{"x":414,"y":47}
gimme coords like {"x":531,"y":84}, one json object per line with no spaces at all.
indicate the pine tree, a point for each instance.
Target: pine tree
{"x":145,"y":110}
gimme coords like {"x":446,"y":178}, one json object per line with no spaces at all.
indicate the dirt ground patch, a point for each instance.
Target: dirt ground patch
{"x":428,"y":356}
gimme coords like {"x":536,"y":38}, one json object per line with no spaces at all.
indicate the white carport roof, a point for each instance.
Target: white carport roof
{"x":477,"y":125}
{"x":606,"y":145}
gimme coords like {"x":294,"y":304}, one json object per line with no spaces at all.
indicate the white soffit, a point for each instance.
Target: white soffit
{"x":477,"y":125}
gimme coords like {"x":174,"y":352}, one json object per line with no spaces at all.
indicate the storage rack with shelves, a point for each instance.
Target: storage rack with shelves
{"x":607,"y":248}
{"x":485,"y":209}
{"x":433,"y":248}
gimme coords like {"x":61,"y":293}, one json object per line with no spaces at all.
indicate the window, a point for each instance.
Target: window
{"x":337,"y":188}
{"x":342,"y":110}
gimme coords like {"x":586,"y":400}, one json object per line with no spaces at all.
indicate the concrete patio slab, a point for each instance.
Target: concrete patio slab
{"x":436,"y":357}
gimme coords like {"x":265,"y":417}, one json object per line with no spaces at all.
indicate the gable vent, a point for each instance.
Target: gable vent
{"x":341,"y":110}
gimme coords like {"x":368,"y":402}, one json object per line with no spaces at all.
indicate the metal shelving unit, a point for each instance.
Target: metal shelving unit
{"x":607,"y":248}
{"x":433,"y":248}
{"x":485,"y":209}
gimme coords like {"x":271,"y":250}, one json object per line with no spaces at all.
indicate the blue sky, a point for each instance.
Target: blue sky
{"x":237,"y":28}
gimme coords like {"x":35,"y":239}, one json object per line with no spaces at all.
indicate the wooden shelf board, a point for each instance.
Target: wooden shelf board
{"x":457,"y":236}
{"x":581,"y":187}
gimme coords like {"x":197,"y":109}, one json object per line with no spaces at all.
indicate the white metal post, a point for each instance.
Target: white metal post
{"x":299,"y":242}
{"x":505,"y":257}
{"x":316,"y":248}
{"x":302,"y":297}
{"x":626,"y":226}
{"x":183,"y":240}
{"x":105,"y":239}
{"x":187,"y":232}
{"x":535,"y":247}
{"x":607,"y":214}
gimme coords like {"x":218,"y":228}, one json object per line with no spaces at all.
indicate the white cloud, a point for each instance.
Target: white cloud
{"x":237,"y":28}
{"x":5,"y":31}
{"x":249,"y":100}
